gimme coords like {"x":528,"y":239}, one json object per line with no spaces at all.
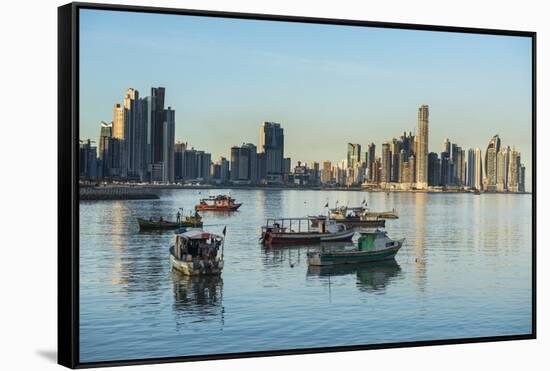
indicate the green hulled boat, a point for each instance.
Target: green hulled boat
{"x":373,"y":245}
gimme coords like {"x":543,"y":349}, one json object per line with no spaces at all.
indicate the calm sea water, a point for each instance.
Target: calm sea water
{"x":464,"y":271}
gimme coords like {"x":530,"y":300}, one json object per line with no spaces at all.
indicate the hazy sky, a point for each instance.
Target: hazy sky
{"x":327,"y":85}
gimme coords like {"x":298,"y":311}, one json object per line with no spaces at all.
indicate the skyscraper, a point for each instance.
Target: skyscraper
{"x":272,"y":145}
{"x":156,"y":123}
{"x":87,"y":160}
{"x":478,"y":170}
{"x":522,"y":179}
{"x":460,"y":166}
{"x":106,"y":132}
{"x":119,"y":134}
{"x":168,"y":142}
{"x":135,"y":134}
{"x":385,"y":173}
{"x":503,"y":159}
{"x":470,"y":168}
{"x":490,"y":164}
{"x":395,"y":149}
{"x":179,"y":150}
{"x":422,"y":148}
{"x":354,"y":154}
{"x":118,"y":121}
{"x":371,"y":158}
{"x":326,"y":172}
{"x":243,"y":163}
{"x":445,"y":178}
{"x":434,"y":169}
{"x":514,"y":171}
{"x":105,"y":148}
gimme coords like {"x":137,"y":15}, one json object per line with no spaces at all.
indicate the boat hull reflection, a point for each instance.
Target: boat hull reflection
{"x":372,"y":276}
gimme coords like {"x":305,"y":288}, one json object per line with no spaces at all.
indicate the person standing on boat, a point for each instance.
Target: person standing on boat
{"x":178,"y":217}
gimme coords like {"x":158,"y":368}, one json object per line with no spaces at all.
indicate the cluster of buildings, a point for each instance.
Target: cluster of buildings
{"x":139,"y":145}
{"x":405,"y":163}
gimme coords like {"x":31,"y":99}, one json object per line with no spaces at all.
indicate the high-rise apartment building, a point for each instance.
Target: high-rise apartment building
{"x":490,"y":165}
{"x":385,"y":171}
{"x":478,"y":170}
{"x":244,"y":167}
{"x":354,"y":154}
{"x":272,"y":146}
{"x":326,"y":172}
{"x":422,"y":148}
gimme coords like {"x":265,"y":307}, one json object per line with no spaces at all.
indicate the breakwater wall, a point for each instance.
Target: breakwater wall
{"x":116,"y":193}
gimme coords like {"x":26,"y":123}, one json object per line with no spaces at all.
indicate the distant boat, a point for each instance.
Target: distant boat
{"x":356,"y":217}
{"x":194,"y":221}
{"x":373,"y":245}
{"x":304,"y":231}
{"x":196,"y":253}
{"x":390,"y":214}
{"x":218,"y":203}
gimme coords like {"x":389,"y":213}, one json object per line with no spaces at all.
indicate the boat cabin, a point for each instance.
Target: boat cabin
{"x":312,"y":224}
{"x":197,"y":244}
{"x":374,"y":240}
{"x":219,"y":200}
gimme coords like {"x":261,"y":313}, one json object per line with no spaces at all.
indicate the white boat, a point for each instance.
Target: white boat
{"x":197,"y":253}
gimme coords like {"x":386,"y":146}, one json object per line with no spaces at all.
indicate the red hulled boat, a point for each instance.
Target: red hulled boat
{"x":218,"y":203}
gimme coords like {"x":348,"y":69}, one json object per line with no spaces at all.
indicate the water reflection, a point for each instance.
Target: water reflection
{"x":479,"y":242}
{"x":420,"y":200}
{"x":197,"y":298}
{"x":370,"y":277}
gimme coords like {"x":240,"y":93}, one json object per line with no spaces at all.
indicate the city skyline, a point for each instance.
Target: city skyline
{"x":353,"y":95}
{"x":140,"y":145}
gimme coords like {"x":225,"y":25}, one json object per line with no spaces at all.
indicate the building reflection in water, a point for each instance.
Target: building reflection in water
{"x":136,"y":264}
{"x":371,"y":277}
{"x":197,"y":298}
{"x":420,"y":200}
{"x":119,"y":242}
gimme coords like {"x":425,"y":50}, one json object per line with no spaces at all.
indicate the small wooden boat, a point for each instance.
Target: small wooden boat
{"x":218,"y":203}
{"x":196,"y":253}
{"x":373,"y":245}
{"x":145,"y":224}
{"x":304,"y":231}
{"x":193,"y":221}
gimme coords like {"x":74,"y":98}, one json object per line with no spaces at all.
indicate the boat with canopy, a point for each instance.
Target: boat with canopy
{"x":303,"y":231}
{"x":197,"y":253}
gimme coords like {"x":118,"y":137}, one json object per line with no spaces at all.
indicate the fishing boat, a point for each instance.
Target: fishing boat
{"x":304,"y":231}
{"x":193,"y":221}
{"x":373,"y":245}
{"x":354,"y":217}
{"x":218,"y":203}
{"x":197,"y":253}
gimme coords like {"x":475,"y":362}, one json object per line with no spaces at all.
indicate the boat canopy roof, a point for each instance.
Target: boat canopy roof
{"x":218,"y":197}
{"x":354,"y":208}
{"x":199,"y":235}
{"x":366,"y":231}
{"x":310,"y":217}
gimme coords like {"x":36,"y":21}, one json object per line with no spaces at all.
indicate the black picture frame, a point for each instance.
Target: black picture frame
{"x":68,"y":195}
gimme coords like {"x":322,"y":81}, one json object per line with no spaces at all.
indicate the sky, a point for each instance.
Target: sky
{"x":326,"y":84}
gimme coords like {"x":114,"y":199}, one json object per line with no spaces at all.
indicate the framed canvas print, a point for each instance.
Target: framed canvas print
{"x":237,"y":185}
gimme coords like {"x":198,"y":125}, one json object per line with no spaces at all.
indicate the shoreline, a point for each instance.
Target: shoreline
{"x":136,"y":187}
